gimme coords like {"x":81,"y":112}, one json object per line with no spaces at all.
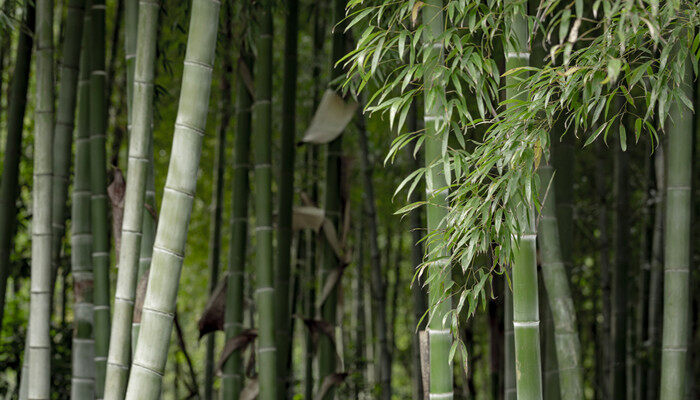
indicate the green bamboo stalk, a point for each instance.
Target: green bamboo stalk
{"x":311,"y":171}
{"x":332,"y":204}
{"x":509,"y":348}
{"x":286,"y":194}
{"x":39,"y":355}
{"x":98,"y":185}
{"x":131,"y":17}
{"x":217,"y":202}
{"x":561,"y":304}
{"x":65,"y":123}
{"x":83,"y":363}
{"x":525,"y":302}
{"x":620,"y":277}
{"x":17,"y":103}
{"x":377,"y":281}
{"x":232,"y":376}
{"x":656,"y":277}
{"x":148,"y":364}
{"x":139,"y":144}
{"x":440,"y":337}
{"x":262,"y":137}
{"x":677,"y":236}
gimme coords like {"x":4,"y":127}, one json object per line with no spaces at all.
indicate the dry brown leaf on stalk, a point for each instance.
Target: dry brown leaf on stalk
{"x":317,"y":327}
{"x":251,"y":390}
{"x":237,"y":343}
{"x":330,"y":119}
{"x":307,"y":217}
{"x":331,"y":282}
{"x":140,"y":296}
{"x":116,"y":191}
{"x":212,"y":318}
{"x":329,"y":382}
{"x":414,"y":12}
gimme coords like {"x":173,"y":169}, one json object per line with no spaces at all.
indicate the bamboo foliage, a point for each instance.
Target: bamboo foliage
{"x":232,"y":377}
{"x":83,"y":362}
{"x":39,"y":354}
{"x":677,"y":234}
{"x":286,"y":194}
{"x":13,"y":143}
{"x":98,"y":187}
{"x":65,"y":117}
{"x":568,"y":347}
{"x":439,"y":335}
{"x":169,"y":247}
{"x":139,"y":145}
{"x":266,"y":350}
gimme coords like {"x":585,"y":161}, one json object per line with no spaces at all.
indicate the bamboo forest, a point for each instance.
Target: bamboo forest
{"x":349,"y":199}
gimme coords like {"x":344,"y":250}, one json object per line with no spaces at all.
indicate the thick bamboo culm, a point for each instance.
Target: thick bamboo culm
{"x":39,"y":341}
{"x":119,"y":359}
{"x":439,"y":335}
{"x":169,"y":247}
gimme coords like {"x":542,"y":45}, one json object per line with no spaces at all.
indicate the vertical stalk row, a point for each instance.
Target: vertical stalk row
{"x":139,"y":144}
{"x":148,"y":364}
{"x":232,"y":375}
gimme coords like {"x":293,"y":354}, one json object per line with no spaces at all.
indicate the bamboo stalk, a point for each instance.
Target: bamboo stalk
{"x":525,"y":301}
{"x":83,"y":359}
{"x":139,"y":144}
{"x":377,"y":273}
{"x":561,"y":304}
{"x":17,"y":104}
{"x":98,"y":185}
{"x":39,"y":355}
{"x":168,"y":250}
{"x":232,"y":377}
{"x":620,"y":277}
{"x":286,"y":194}
{"x":65,"y":123}
{"x":225,"y":110}
{"x":677,"y":234}
{"x":332,"y":204}
{"x":439,"y":335}
{"x":262,"y":135}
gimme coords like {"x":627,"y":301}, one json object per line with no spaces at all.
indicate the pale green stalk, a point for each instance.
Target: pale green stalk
{"x":119,"y":359}
{"x":677,"y":236}
{"x":9,"y":189}
{"x":509,"y":346}
{"x":440,"y":337}
{"x":83,"y":357}
{"x":526,"y":320}
{"x":232,"y":375}
{"x":98,"y":186}
{"x":65,"y":123}
{"x":561,"y":304}
{"x":148,"y":366}
{"x":39,"y":355}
